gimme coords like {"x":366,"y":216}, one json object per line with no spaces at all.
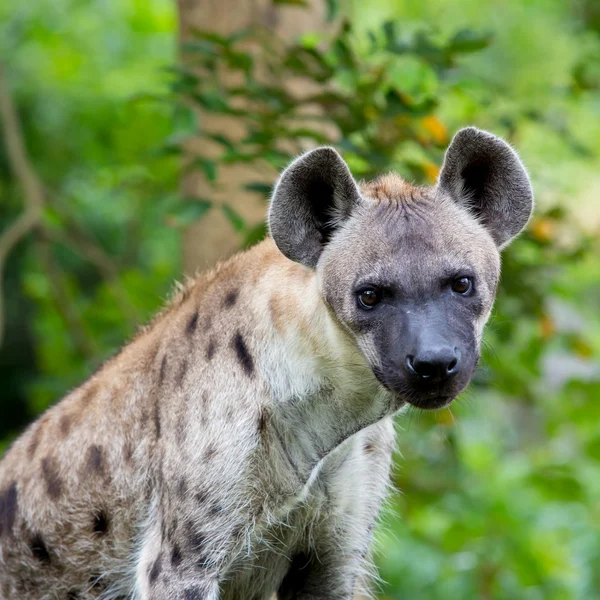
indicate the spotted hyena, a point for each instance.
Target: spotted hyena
{"x":240,"y":446}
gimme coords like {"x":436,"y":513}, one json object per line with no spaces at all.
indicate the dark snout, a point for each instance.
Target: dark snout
{"x":428,"y":361}
{"x":434,"y":364}
{"x":432,"y":368}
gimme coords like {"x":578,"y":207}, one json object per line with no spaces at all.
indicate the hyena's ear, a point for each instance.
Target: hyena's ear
{"x":313,"y":196}
{"x":484,"y":173}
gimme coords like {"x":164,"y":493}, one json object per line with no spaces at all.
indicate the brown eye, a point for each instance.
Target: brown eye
{"x":369,"y":298}
{"x":462,"y":285}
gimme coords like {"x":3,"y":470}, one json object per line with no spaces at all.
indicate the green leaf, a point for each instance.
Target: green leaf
{"x":260,"y":188}
{"x":201,"y":47}
{"x":236,"y":220}
{"x":413,"y":78}
{"x":333,"y":9}
{"x":467,"y":40}
{"x":221,"y":139}
{"x":209,"y":167}
{"x":184,"y":121}
{"x":187,"y":212}
{"x":210,"y":36}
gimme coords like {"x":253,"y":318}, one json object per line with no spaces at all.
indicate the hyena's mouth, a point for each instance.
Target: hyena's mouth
{"x":434,"y":395}
{"x":430,"y":396}
{"x":431,"y":403}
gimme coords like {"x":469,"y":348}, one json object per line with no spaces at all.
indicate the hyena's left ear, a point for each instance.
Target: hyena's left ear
{"x":313,"y":196}
{"x":483,"y":173}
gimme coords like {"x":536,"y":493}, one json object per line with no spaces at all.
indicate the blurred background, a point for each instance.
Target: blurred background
{"x":139,"y":142}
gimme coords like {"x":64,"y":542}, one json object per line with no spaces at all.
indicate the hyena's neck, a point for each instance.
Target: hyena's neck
{"x":322,"y":388}
{"x":262,"y":315}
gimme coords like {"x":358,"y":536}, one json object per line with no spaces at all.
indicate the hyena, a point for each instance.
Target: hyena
{"x":240,"y":446}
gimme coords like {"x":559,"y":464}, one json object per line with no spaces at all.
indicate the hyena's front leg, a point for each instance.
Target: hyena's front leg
{"x":197,"y":520}
{"x":335,"y":562}
{"x":187,"y":548}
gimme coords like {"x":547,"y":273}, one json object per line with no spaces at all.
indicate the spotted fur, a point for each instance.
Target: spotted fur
{"x":239,"y":446}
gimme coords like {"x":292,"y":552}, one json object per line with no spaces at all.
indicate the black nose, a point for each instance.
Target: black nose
{"x":434,"y":364}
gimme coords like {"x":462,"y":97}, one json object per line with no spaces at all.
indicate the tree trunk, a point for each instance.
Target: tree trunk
{"x":213,"y":238}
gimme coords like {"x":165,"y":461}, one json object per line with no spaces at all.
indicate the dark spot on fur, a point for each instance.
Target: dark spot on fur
{"x":94,"y":463}
{"x":153,"y":354}
{"x":97,"y":582}
{"x":369,"y":448}
{"x":196,"y":540}
{"x":197,"y":543}
{"x":201,"y":497}
{"x":53,"y":481}
{"x":89,"y":392}
{"x":127,"y":452}
{"x":202,"y":562}
{"x":182,"y":488}
{"x":163,"y":531}
{"x":65,"y":425}
{"x":35,"y":440}
{"x":156,"y":416}
{"x":172,"y":529}
{"x":192,"y":324}
{"x":180,"y":429}
{"x":182,"y":372}
{"x":163,"y":369}
{"x":192,"y":594}
{"x":101,"y":523}
{"x":210,"y":351}
{"x":176,"y":556}
{"x":210,"y":452}
{"x":8,"y":509}
{"x":39,"y":549}
{"x":230,"y":299}
{"x":216,"y":509}
{"x":262,"y":421}
{"x":243,"y":354}
{"x":155,"y":571}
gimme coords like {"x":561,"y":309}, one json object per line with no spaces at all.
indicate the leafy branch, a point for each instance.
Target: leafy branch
{"x":33,"y":196}
{"x":30,"y":220}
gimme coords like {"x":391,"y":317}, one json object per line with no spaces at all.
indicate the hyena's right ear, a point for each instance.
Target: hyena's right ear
{"x":313,"y":196}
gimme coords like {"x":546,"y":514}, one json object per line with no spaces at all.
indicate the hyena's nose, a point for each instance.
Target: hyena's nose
{"x":434,"y":364}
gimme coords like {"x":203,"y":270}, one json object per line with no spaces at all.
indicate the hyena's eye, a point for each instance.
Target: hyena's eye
{"x":369,"y":297}
{"x":462,"y":285}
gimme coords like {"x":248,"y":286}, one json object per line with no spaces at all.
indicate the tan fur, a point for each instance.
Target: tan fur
{"x":391,"y":188}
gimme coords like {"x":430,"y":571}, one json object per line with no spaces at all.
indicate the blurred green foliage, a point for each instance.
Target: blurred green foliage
{"x":102,"y":258}
{"x":498,"y":494}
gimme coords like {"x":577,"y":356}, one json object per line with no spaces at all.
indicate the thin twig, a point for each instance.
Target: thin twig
{"x":102,"y":263}
{"x":62,"y":303}
{"x":33,"y":197}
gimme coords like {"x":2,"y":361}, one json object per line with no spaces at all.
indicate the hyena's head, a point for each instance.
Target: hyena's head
{"x":411,"y":272}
